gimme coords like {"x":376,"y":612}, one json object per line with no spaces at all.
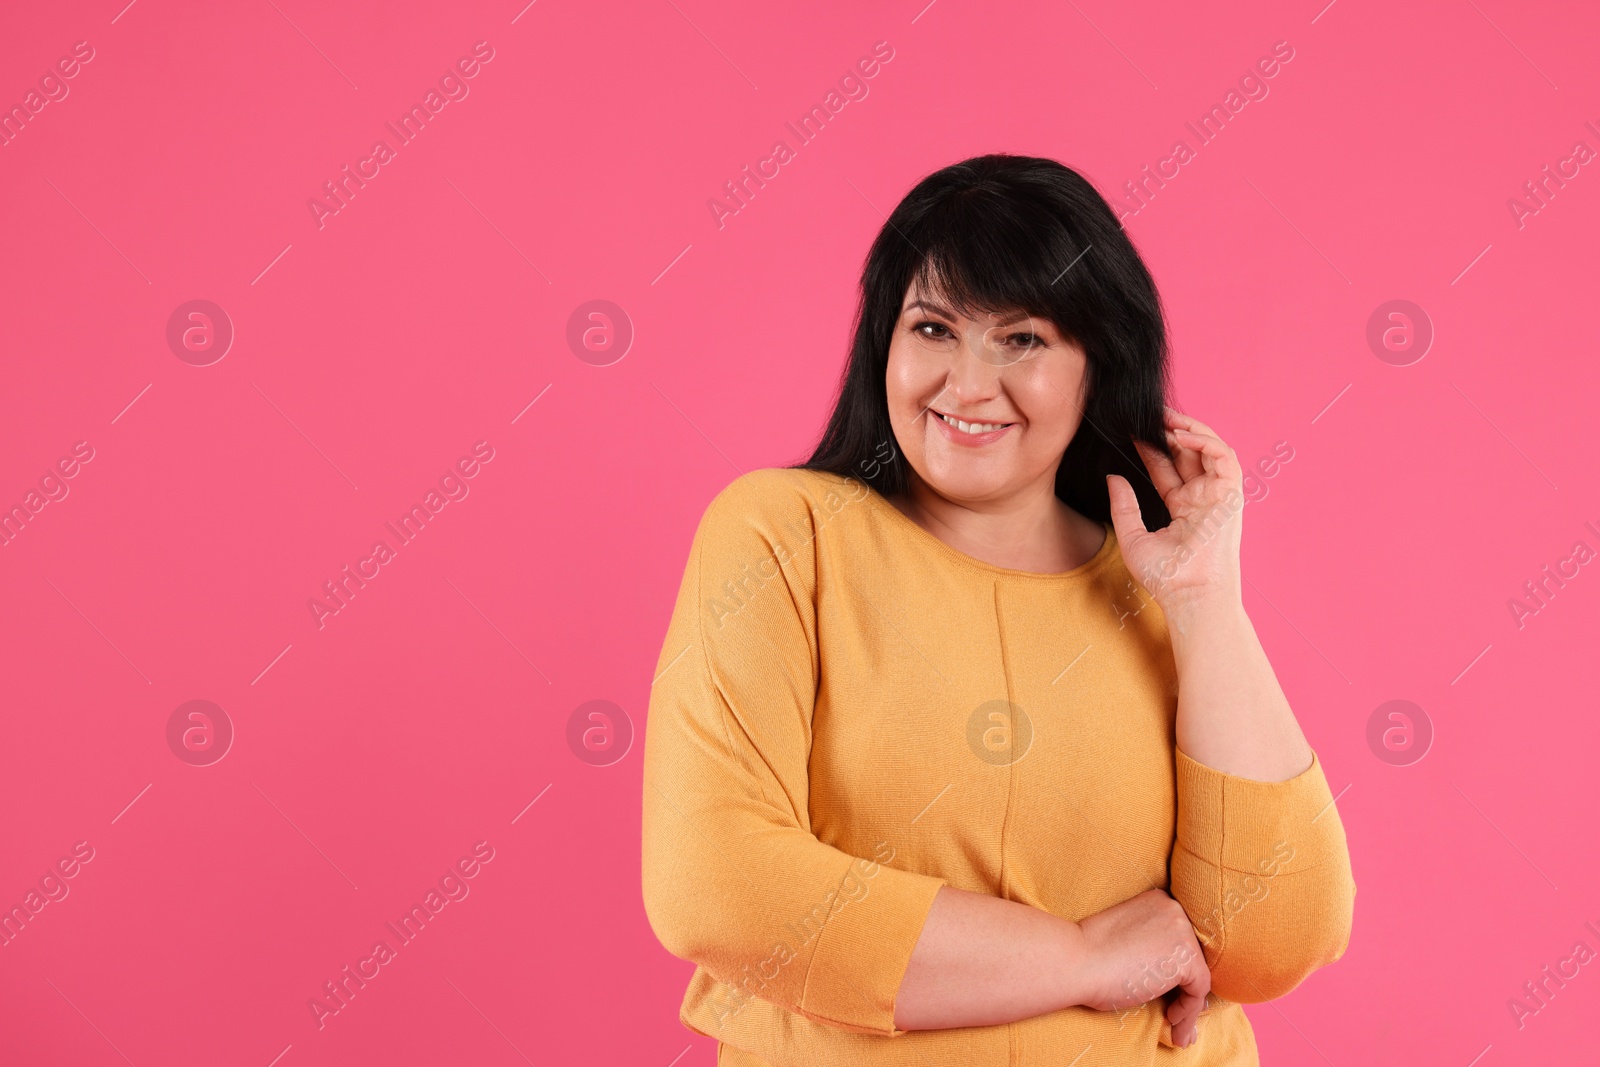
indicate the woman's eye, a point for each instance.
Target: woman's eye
{"x":936,"y":331}
{"x":1027,"y":343}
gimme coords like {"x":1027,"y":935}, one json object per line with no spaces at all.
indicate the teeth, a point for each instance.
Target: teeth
{"x":972,"y":427}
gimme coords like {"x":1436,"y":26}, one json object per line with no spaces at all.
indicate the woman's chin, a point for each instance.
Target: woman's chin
{"x":963,"y":484}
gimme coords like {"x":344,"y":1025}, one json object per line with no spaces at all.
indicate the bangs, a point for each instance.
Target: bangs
{"x":1003,"y":234}
{"x":979,"y":254}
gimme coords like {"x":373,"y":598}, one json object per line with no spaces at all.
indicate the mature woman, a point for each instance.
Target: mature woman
{"x":962,"y":748}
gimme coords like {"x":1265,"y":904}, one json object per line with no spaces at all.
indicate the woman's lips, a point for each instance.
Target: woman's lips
{"x":971,"y":440}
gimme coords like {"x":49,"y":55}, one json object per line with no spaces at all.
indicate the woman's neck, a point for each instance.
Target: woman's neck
{"x":1031,"y":530}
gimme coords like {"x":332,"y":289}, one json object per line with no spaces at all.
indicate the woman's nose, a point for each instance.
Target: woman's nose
{"x":975,"y":370}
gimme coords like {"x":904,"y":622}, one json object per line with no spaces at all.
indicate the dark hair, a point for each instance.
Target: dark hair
{"x":997,"y":233}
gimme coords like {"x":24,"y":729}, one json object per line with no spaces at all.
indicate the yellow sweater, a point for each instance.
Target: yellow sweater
{"x":848,"y":713}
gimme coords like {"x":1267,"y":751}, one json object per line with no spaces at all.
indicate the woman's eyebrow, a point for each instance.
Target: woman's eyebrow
{"x":1021,"y":316}
{"x":935,"y":308}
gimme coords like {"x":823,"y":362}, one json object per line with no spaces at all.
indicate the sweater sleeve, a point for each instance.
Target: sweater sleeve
{"x":1263,"y":871}
{"x":733,"y":877}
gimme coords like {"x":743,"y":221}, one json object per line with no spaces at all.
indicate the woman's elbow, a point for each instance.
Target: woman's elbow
{"x":1266,"y":964}
{"x":682,"y":930}
{"x":676,"y":896}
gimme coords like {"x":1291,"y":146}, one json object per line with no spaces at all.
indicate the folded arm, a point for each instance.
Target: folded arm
{"x":1260,"y":863}
{"x":733,"y":877}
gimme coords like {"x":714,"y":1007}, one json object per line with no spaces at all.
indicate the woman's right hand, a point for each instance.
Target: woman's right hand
{"x":1140,"y":949}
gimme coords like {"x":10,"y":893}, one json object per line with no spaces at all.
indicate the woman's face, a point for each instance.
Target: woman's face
{"x":1018,"y":378}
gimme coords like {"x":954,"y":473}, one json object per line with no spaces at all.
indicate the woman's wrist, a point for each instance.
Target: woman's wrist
{"x":1202,"y":610}
{"x":1073,"y":978}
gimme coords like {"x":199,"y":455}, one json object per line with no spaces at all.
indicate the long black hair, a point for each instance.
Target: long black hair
{"x":1000,"y":233}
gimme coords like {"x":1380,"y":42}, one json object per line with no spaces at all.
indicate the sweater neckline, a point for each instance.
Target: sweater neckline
{"x":1107,"y":549}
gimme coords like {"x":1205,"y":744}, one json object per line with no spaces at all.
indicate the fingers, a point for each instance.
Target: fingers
{"x":1163,"y":474}
{"x":1184,"y":1015}
{"x":1186,"y":459}
{"x":1196,"y":450}
{"x":1179,"y":421}
{"x":1189,"y":432}
{"x":1126,"y":517}
{"x":1215,"y":457}
{"x":1184,"y":1012}
{"x":1197,"y":447}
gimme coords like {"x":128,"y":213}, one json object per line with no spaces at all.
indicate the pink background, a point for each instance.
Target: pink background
{"x":372,"y":352}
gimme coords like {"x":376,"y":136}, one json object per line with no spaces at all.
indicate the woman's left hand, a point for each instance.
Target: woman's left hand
{"x":1196,"y":557}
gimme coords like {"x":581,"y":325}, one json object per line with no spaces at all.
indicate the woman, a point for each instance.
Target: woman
{"x":962,"y":748}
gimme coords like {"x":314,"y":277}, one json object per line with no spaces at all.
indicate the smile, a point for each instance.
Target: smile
{"x":971,"y":433}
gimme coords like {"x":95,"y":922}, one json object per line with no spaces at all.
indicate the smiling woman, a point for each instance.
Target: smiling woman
{"x":1083,"y":802}
{"x":957,"y":423}
{"x":1019,"y":270}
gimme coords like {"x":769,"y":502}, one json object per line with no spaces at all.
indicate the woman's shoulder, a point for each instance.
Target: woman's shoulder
{"x":775,"y":496}
{"x":785,"y":513}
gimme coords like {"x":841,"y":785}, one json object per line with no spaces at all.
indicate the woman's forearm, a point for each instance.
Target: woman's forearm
{"x":983,"y":961}
{"x":1232,"y":714}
